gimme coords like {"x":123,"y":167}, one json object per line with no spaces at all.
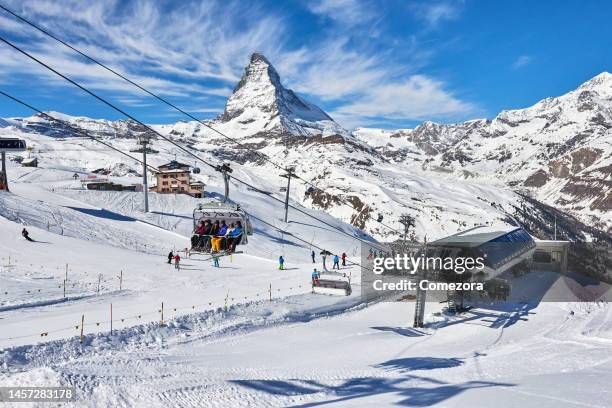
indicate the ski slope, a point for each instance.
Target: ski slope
{"x":225,"y":343}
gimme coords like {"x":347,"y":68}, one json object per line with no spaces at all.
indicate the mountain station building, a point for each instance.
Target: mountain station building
{"x":175,"y":177}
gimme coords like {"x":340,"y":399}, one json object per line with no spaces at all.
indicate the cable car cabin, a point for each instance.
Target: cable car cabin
{"x":9,"y":145}
{"x":332,"y":283}
{"x":215,"y":211}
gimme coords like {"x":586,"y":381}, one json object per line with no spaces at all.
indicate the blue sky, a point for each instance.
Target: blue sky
{"x":368,"y":63}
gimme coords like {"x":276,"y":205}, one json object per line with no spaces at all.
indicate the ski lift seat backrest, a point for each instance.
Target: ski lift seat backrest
{"x":12,"y":145}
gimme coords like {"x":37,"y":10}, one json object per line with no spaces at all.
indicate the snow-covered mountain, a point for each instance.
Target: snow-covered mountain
{"x":558,"y":150}
{"x":260,"y":102}
{"x":421,"y":171}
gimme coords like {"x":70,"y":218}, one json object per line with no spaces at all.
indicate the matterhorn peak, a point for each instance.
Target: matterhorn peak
{"x":260,"y":97}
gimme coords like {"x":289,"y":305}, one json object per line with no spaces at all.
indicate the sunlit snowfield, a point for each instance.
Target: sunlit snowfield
{"x":225,"y":343}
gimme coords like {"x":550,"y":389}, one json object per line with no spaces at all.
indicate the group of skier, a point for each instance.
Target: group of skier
{"x":176,"y":258}
{"x":216,"y":236}
{"x":336,"y":258}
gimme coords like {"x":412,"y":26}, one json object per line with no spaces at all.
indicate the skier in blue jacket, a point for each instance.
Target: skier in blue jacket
{"x":336,"y":262}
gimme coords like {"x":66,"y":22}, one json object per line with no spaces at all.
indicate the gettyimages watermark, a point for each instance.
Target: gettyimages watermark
{"x":525,"y":270}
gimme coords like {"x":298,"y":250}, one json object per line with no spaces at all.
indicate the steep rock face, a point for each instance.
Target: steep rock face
{"x":260,"y":99}
{"x":558,"y":150}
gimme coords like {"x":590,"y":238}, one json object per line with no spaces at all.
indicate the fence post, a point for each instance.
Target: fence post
{"x":66,"y":272}
{"x":99,"y":279}
{"x":111,"y":321}
{"x":270,"y":291}
{"x":162,"y":314}
{"x":64,"y":288}
{"x":82,"y":324}
{"x":226,"y":297}
{"x":121,"y":280}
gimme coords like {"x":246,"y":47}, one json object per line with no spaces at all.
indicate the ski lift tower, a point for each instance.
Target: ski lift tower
{"x":419,"y":308}
{"x":407,"y":221}
{"x":225,"y":170}
{"x":9,"y":145}
{"x":421,"y":295}
{"x":290,"y":173}
{"x":144,"y":140}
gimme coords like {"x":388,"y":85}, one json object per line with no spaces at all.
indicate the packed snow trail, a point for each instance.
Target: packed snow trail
{"x":264,"y":355}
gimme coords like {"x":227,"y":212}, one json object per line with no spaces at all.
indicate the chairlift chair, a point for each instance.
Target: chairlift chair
{"x":215,"y":210}
{"x":12,"y":145}
{"x":196,"y":169}
{"x":332,"y":283}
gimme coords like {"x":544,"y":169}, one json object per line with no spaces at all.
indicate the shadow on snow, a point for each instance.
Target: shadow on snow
{"x":355,"y":388}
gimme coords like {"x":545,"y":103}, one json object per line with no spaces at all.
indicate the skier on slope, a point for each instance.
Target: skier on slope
{"x":281,"y":263}
{"x":336,"y":262}
{"x":177,"y":261}
{"x":170,"y":257}
{"x":215,"y":257}
{"x":26,"y":235}
{"x":312,"y":255}
{"x":315,"y":277}
{"x":343,"y":259}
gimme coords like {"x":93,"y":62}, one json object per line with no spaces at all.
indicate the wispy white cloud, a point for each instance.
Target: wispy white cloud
{"x":433,"y":13}
{"x":521,"y":61}
{"x":181,"y":48}
{"x":350,"y":12}
{"x":195,"y":52}
{"x":417,"y":98}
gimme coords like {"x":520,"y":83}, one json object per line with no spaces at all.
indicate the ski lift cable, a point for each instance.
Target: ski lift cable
{"x":150,"y":167}
{"x":215,"y":167}
{"x":310,"y":243}
{"x":165,"y":101}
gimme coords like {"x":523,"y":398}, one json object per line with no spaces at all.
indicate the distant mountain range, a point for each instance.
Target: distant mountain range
{"x":556,"y":153}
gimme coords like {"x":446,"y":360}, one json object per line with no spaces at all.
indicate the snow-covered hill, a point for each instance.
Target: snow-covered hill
{"x":559,"y":150}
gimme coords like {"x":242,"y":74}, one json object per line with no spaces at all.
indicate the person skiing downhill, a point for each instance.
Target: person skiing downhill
{"x":281,"y":263}
{"x":312,"y":255}
{"x":215,"y":258}
{"x":26,"y":235}
{"x":343,"y":259}
{"x":177,"y":260}
{"x":170,"y":257}
{"x":336,"y":262}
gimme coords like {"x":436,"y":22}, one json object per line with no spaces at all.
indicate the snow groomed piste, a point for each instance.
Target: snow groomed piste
{"x":142,"y":297}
